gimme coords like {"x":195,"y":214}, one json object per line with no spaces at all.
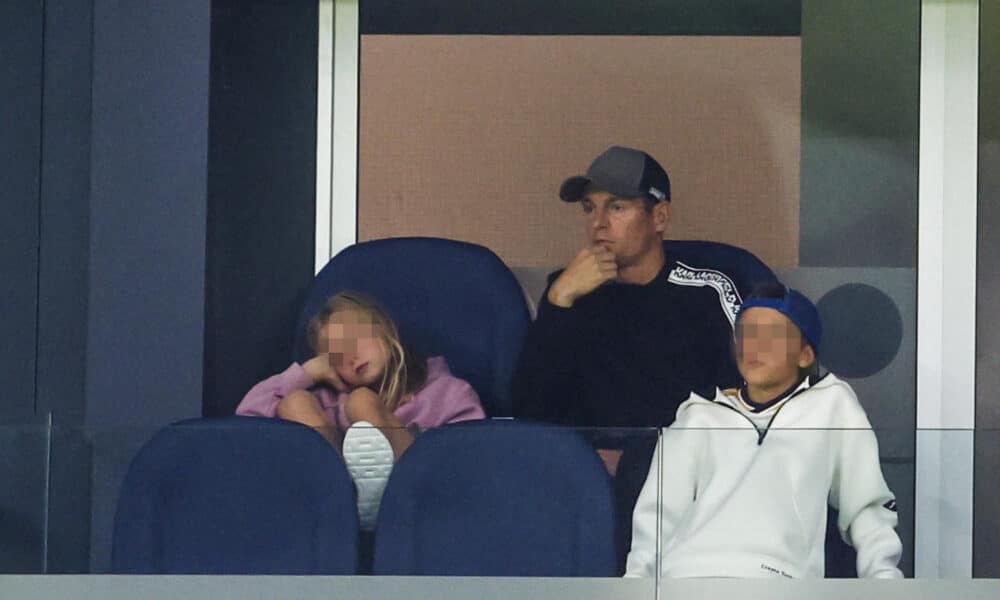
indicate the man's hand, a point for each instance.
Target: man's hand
{"x":320,"y":368}
{"x":592,"y":267}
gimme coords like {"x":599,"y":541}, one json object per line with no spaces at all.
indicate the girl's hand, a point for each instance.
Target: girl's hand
{"x":321,"y":370}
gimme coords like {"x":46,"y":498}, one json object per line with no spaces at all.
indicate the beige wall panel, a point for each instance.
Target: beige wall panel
{"x":468,"y":137}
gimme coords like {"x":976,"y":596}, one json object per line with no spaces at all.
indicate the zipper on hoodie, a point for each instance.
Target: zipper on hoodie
{"x":763,"y":434}
{"x":760,"y":436}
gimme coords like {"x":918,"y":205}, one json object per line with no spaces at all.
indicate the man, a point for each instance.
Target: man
{"x":627,"y":331}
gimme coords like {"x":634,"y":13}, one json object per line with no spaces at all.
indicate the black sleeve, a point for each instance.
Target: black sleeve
{"x":546,"y":379}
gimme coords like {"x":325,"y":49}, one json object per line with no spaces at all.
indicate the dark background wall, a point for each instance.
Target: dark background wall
{"x":43,"y":111}
{"x":107,"y":185}
{"x":261,"y":190}
{"x":574,"y":17}
{"x":64,"y":208}
{"x":148,"y":205}
{"x":153,"y":261}
{"x":63,"y":277}
{"x":860,"y":133}
{"x":20,"y":155}
{"x":149,"y":148}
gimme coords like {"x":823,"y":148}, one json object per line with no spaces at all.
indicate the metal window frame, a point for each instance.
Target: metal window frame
{"x":337,"y":128}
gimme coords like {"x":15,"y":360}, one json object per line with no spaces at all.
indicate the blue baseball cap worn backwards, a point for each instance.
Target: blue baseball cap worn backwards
{"x":799,"y":309}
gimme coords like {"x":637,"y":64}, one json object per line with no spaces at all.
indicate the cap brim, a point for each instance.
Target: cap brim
{"x":573,"y":188}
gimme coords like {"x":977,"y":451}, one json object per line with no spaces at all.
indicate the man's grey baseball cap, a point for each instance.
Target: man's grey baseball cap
{"x":624,"y":172}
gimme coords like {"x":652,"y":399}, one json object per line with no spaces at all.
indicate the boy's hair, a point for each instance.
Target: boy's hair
{"x":405,"y":370}
{"x":798,"y":309}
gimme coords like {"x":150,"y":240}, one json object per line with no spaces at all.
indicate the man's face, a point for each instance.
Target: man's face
{"x":624,"y":226}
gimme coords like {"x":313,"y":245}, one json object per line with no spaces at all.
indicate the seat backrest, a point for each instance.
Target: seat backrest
{"x":448,"y":298}
{"x":240,"y":495}
{"x":742,"y":267}
{"x":497,"y":498}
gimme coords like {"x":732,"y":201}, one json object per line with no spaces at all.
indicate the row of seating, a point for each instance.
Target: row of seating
{"x":264,"y":496}
{"x":460,"y":301}
{"x":246,"y":495}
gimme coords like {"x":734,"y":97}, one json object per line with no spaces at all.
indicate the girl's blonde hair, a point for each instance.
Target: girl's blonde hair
{"x":405,"y":372}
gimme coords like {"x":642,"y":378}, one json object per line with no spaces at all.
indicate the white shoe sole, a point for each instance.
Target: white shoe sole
{"x":369,"y":459}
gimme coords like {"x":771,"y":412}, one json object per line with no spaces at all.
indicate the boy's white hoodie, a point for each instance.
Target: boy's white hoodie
{"x":735,"y":501}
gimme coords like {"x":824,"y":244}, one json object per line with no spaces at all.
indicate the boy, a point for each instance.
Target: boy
{"x":745,"y":478}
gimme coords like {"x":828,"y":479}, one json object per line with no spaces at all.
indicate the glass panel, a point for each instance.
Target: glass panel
{"x":747,"y":501}
{"x":712,"y":492}
{"x":71,"y":484}
{"x":24,"y":473}
{"x":858,"y":214}
{"x":529,"y":499}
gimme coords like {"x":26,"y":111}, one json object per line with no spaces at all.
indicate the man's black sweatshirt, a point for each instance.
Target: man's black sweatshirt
{"x":627,"y":355}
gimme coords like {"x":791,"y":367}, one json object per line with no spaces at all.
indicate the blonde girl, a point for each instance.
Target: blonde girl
{"x":365,"y":391}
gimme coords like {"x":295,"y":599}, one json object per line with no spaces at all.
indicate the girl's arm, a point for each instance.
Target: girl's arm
{"x":262,"y":399}
{"x":461,"y":404}
{"x":867,"y":507}
{"x":446,"y":399}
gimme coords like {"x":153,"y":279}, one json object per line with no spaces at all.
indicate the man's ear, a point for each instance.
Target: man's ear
{"x":661,"y":216}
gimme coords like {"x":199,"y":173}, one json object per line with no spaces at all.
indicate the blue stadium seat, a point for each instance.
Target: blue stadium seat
{"x":497,"y":498}
{"x":240,"y":495}
{"x":743,"y":267}
{"x":449,"y":298}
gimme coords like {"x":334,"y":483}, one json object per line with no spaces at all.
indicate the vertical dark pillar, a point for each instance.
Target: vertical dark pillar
{"x":22,"y":439}
{"x":65,"y":211}
{"x":63,"y":277}
{"x":262,"y":190}
{"x":986,"y":530}
{"x":147,"y":214}
{"x":147,"y":232}
{"x":20,"y":123}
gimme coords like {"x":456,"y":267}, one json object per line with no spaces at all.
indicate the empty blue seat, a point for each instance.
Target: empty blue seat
{"x":496,"y":498}
{"x":240,"y":495}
